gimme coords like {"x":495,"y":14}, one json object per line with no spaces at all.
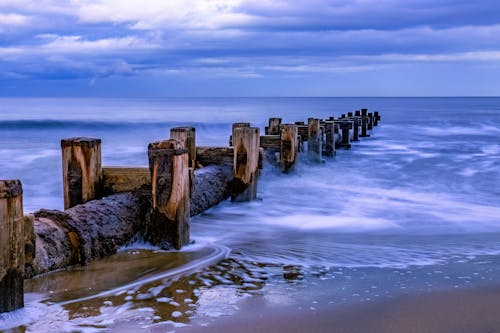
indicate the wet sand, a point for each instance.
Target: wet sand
{"x":459,"y":311}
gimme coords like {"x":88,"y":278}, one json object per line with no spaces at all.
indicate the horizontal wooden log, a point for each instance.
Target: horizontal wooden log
{"x":86,"y":232}
{"x":98,"y":228}
{"x":219,"y":156}
{"x":270,"y":141}
{"x":124,"y":179}
{"x":212,"y":184}
{"x":214,"y":155}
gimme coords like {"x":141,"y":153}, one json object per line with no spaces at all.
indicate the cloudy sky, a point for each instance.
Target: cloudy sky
{"x":160,"y":48}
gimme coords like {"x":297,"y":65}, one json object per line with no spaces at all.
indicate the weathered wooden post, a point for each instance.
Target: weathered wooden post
{"x":246,"y":141}
{"x":329,"y":138}
{"x":370,"y":121}
{"x":237,"y":125}
{"x":355,"y":131}
{"x":82,"y":170}
{"x":11,"y":246}
{"x":187,"y":137}
{"x":376,"y":118}
{"x":274,"y":126}
{"x":364,"y":123}
{"x":314,"y":140}
{"x":345,"y":126}
{"x":289,"y":146}
{"x":169,"y":167}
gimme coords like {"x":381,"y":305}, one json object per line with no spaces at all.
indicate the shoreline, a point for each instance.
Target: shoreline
{"x":458,"y":311}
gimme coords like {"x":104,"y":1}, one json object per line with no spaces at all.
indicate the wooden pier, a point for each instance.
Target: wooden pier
{"x":105,"y":206}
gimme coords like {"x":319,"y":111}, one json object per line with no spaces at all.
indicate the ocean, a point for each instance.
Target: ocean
{"x":413,"y":208}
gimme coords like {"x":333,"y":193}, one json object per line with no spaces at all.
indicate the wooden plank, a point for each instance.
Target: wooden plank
{"x":118,"y":179}
{"x":270,"y":141}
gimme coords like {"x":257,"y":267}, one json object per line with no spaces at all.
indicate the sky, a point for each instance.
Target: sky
{"x":195,"y":48}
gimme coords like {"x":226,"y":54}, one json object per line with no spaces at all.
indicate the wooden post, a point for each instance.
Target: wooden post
{"x":186,"y":136}
{"x":82,"y":171}
{"x":314,"y":139}
{"x":357,"y":113}
{"x":274,"y":126}
{"x":349,"y":114}
{"x":330,"y":138}
{"x":169,"y":167}
{"x":376,"y":118}
{"x":345,"y":126}
{"x":237,"y":125}
{"x":245,"y":163}
{"x":289,"y":146}
{"x":370,"y":121}
{"x":11,"y":246}
{"x":355,"y":131}
{"x":364,"y":124}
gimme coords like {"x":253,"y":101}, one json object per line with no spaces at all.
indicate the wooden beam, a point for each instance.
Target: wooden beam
{"x":118,"y":179}
{"x":270,"y":141}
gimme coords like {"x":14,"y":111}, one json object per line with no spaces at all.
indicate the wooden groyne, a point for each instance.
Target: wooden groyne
{"x":106,"y":206}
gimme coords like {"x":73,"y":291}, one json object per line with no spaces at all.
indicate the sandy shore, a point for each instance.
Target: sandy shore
{"x":461,"y":311}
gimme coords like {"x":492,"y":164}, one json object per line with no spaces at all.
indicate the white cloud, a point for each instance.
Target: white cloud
{"x":443,"y":57}
{"x":78,"y":44}
{"x":13,"y":19}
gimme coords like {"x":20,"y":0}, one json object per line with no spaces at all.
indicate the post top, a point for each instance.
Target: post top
{"x":165,"y":144}
{"x":183,"y":129}
{"x":247,"y":129}
{"x":10,"y":188}
{"x":238,"y":125}
{"x":80,"y":141}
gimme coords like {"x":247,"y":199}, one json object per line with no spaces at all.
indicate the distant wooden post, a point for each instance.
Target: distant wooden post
{"x":376,"y":118}
{"x":11,"y":246}
{"x":370,"y":121}
{"x":364,"y":124}
{"x":82,"y":171}
{"x":330,"y":138}
{"x":274,"y":126}
{"x":246,"y":142}
{"x":349,"y":114}
{"x":355,"y":131}
{"x":345,"y":126}
{"x":289,"y":146}
{"x":169,"y":167}
{"x":186,"y":136}
{"x":314,"y":139}
{"x":357,"y":113}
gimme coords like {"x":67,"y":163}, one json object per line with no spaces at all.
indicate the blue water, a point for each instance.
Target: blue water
{"x":418,"y":201}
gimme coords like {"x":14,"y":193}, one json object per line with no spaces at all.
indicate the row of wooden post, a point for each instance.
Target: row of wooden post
{"x":171,"y":175}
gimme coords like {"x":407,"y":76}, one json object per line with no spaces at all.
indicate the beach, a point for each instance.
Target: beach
{"x":458,"y":311}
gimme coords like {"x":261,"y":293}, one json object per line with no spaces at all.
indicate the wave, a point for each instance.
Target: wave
{"x":48,"y":124}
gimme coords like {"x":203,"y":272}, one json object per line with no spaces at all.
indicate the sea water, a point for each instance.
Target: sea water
{"x":415,"y":207}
